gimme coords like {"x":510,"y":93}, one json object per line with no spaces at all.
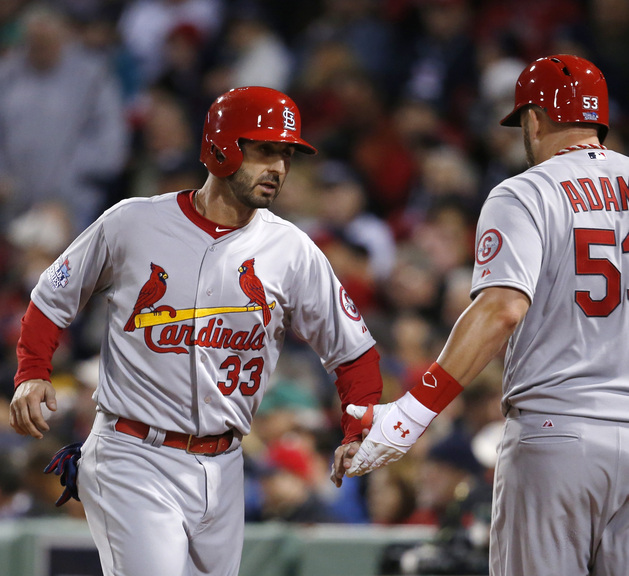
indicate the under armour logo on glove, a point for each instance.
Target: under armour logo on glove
{"x":396,"y":427}
{"x":403,"y":432}
{"x":65,"y":464}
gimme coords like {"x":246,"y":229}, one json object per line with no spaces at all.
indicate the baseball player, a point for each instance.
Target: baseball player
{"x":201,"y":287}
{"x":552,"y":278}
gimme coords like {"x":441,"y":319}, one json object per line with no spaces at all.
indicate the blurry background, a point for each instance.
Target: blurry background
{"x":102,"y":100}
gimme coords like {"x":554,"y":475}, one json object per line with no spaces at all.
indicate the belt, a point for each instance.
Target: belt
{"x":208,"y":445}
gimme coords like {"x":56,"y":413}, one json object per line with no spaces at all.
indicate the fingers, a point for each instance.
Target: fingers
{"x":343,"y":456}
{"x":29,"y":419}
{"x":25,"y":415}
{"x":370,"y":456}
{"x":337,"y":474}
{"x":359,"y":465}
{"x":23,"y":424}
{"x":51,"y":398}
{"x":14,"y":423}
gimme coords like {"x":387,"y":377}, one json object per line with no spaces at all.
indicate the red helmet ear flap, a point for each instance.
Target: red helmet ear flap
{"x":222,"y":161}
{"x":254,"y":113}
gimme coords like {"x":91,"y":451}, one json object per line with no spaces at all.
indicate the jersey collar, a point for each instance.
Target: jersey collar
{"x":185,"y":199}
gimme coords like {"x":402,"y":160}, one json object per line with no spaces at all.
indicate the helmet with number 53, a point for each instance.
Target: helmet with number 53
{"x":569,"y":88}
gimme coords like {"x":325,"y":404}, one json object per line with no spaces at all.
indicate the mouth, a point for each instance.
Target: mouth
{"x":269,"y":187}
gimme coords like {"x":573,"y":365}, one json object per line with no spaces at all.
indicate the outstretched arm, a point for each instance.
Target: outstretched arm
{"x":481,"y":332}
{"x":478,"y":336}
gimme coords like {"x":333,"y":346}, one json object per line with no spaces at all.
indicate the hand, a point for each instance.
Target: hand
{"x":396,"y":427}
{"x":342,"y":461}
{"x":25,"y":413}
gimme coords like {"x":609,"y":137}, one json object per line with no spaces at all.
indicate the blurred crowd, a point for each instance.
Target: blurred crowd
{"x":102,"y":100}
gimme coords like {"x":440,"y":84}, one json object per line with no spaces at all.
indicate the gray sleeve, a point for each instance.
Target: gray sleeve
{"x":68,"y":283}
{"x":509,"y":246}
{"x":324,"y":315}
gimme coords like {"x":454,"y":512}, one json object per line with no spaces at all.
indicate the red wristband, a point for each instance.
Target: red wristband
{"x":436,"y":389}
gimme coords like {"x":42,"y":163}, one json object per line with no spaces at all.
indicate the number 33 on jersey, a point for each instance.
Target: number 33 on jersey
{"x":222,"y":306}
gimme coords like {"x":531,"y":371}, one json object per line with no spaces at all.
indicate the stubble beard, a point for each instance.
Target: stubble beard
{"x":244,"y":190}
{"x":528,"y":147}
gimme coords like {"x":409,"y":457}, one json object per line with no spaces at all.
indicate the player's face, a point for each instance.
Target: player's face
{"x":261,"y":176}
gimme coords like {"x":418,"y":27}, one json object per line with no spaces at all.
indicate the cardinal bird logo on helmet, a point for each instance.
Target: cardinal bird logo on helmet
{"x":152,"y":291}
{"x":253,"y":289}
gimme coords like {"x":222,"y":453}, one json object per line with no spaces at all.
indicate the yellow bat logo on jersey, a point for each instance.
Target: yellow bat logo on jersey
{"x":214,"y":335}
{"x":168,"y":317}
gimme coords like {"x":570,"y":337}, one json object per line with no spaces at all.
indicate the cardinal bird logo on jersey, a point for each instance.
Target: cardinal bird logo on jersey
{"x":151,"y":292}
{"x":253,"y":289}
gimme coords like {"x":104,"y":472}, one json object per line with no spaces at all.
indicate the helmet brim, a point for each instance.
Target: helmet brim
{"x":283,"y":136}
{"x":512,"y":119}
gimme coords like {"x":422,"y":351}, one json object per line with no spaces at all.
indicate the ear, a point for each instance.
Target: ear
{"x":214,"y":150}
{"x":533,"y":122}
{"x":539,"y":123}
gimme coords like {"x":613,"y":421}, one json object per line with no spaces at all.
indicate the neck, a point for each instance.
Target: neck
{"x":555,"y":143}
{"x":214,"y":202}
{"x":576,"y":147}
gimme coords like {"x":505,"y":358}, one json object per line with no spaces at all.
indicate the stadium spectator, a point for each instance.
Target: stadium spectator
{"x":62,"y":126}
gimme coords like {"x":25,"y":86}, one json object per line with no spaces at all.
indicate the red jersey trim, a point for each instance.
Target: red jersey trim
{"x":185,"y":200}
{"x":39,"y":338}
{"x":358,"y":382}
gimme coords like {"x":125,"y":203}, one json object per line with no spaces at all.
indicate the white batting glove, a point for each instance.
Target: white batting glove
{"x":396,"y":427}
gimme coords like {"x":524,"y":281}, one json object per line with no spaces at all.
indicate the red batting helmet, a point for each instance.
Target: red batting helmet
{"x":252,"y":113}
{"x":568,"y":88}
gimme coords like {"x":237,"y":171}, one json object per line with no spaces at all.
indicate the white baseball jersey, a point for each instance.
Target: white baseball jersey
{"x":559,"y":232}
{"x":195,"y":325}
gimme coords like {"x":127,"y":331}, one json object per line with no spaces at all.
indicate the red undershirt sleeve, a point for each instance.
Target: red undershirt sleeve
{"x":39,"y":338}
{"x":358,"y":382}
